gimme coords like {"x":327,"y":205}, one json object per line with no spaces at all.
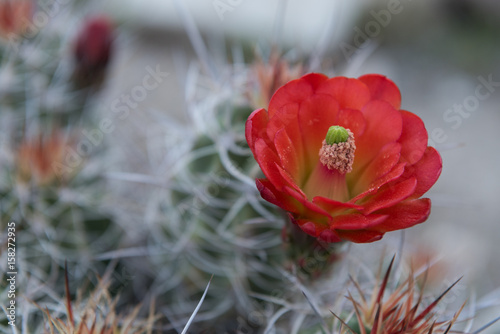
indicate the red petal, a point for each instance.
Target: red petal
{"x":287,"y":119}
{"x":383,"y":125}
{"x":349,"y":93}
{"x":295,"y":91}
{"x":383,"y":89}
{"x":405,"y":214}
{"x":356,"y":221}
{"x":315,"y":79}
{"x":310,"y":210}
{"x":413,"y":138}
{"x":265,"y":156}
{"x":334,"y":207}
{"x":309,"y":227}
{"x":269,"y":192}
{"x":316,"y":115}
{"x":290,"y":182}
{"x":353,"y":120}
{"x":382,"y":164}
{"x":427,"y":171}
{"x":268,"y":161}
{"x":396,"y":172}
{"x":362,"y":236}
{"x":390,"y":196}
{"x":287,"y":153}
{"x":255,"y":126}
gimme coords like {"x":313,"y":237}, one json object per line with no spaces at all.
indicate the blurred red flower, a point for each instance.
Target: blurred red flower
{"x":93,"y":49}
{"x":39,"y":159}
{"x":15,"y":16}
{"x":329,"y":193}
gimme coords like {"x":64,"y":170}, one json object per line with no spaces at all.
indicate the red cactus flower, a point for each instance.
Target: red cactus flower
{"x":342,"y":158}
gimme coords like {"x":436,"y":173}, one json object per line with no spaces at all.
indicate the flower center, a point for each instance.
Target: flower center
{"x":335,"y":160}
{"x":338,"y":149}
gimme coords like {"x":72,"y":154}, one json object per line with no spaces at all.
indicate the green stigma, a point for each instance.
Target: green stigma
{"x":336,"y":134}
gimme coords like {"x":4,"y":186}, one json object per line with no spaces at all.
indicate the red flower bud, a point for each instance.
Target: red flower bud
{"x":93,"y":48}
